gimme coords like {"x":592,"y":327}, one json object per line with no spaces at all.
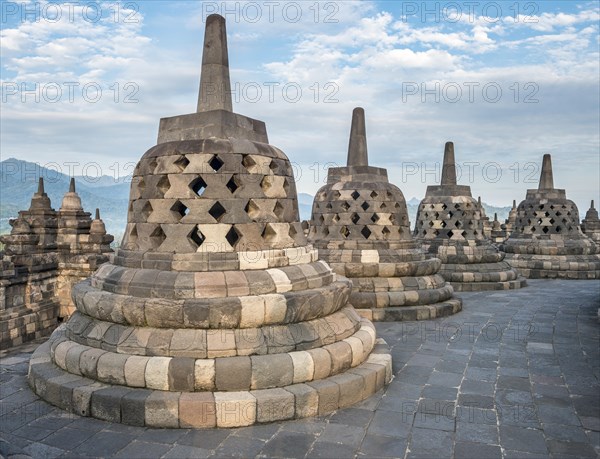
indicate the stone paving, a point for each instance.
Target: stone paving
{"x":514,"y":375}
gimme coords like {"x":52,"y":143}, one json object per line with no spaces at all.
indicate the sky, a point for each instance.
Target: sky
{"x":83,"y":85}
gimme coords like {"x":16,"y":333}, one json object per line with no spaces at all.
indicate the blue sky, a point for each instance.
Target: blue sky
{"x":506,"y":81}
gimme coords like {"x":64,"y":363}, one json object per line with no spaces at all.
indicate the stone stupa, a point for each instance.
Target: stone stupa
{"x":360,"y":227}
{"x":451,"y":227}
{"x":590,"y":225}
{"x":547,"y":241}
{"x":215,"y":310}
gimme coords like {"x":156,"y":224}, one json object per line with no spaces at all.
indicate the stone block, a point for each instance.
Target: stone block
{"x":197,"y":410}
{"x":157,"y":373}
{"x":235,"y":409}
{"x":82,"y":396}
{"x":275,"y":308}
{"x":274,"y":405}
{"x":271,"y":370}
{"x":204,"y":375}
{"x":232,"y":373}
{"x":106,"y":403}
{"x":253,"y":311}
{"x":306,"y":400}
{"x":162,"y":409}
{"x":188,"y":343}
{"x":351,"y":388}
{"x":181,"y":374}
{"x":88,"y":362}
{"x":135,"y":371}
{"x":111,"y":368}
{"x":329,"y":395}
{"x":210,"y":285}
{"x":220,"y":343}
{"x":304,"y":367}
{"x":322,"y":363}
{"x":133,"y":407}
{"x":341,"y":356}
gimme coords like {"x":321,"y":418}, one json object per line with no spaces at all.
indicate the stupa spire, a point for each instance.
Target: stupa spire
{"x":97,"y":214}
{"x":546,"y":177}
{"x":41,"y":191}
{"x":449,"y":166}
{"x":72,"y":185}
{"x":357,"y":146}
{"x":215,"y":86}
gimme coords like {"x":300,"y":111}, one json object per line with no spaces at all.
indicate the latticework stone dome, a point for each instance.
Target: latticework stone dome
{"x":450,"y":224}
{"x":360,"y":226}
{"x":547,"y":240}
{"x":215,"y":311}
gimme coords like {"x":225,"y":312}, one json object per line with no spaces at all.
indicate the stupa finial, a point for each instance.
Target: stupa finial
{"x":97,"y":214}
{"x":215,"y":86}
{"x":357,"y":147}
{"x":72,"y":185}
{"x":449,"y":166}
{"x":546,"y":177}
{"x":41,"y":191}
{"x":592,"y":204}
{"x":514,"y":204}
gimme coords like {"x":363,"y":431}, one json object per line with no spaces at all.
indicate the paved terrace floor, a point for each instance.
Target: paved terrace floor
{"x":515,"y":375}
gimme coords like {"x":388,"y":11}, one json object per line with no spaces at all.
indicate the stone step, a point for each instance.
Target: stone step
{"x":520,"y":282}
{"x":157,"y":408}
{"x":411,"y":313}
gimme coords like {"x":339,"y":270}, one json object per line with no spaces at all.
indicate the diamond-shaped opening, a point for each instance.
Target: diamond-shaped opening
{"x":437,"y":215}
{"x":141,"y":186}
{"x":181,"y":163}
{"x":180,"y":209}
{"x":198,"y":186}
{"x":533,"y":229}
{"x":163,"y":185}
{"x":196,"y":237}
{"x":345,"y":205}
{"x":430,"y":224}
{"x":545,"y":229}
{"x":336,"y":218}
{"x":397,"y":205}
{"x":278,"y":210}
{"x":552,"y":221}
{"x":232,"y":185}
{"x":336,"y":194}
{"x":292,"y":232}
{"x":450,"y":214}
{"x":268,"y":233}
{"x":252,"y":209}
{"x":365,"y":205}
{"x":344,"y":231}
{"x":392,"y":218}
{"x":325,"y":231}
{"x":274,"y":166}
{"x":366,"y":232}
{"x":457,"y":206}
{"x":232,"y":236}
{"x":383,"y":206}
{"x":463,"y":234}
{"x":146,"y":210}
{"x":217,"y":211}
{"x":157,"y":237}
{"x":547,"y":214}
{"x":389,"y":194}
{"x":152,"y":165}
{"x":443,"y":224}
{"x":248,"y":163}
{"x":450,"y":233}
{"x":216,"y":163}
{"x":286,"y":187}
{"x":329,"y":206}
{"x":374,"y":218}
{"x":385,"y":231}
{"x":355,"y":218}
{"x":374,"y":194}
{"x":436,"y":232}
{"x":133,"y":234}
{"x":321,"y":219}
{"x":558,"y":214}
{"x":355,"y":195}
{"x":444,"y":206}
{"x":558,"y":229}
{"x":457,"y":224}
{"x":541,"y":206}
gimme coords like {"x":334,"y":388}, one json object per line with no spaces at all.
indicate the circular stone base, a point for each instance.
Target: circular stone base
{"x":482,"y":286}
{"x":556,"y":266}
{"x":411,"y":313}
{"x":156,"y":408}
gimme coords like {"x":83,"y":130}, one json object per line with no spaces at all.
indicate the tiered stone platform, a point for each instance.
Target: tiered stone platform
{"x":360,"y":226}
{"x":450,"y":226}
{"x":547,"y":241}
{"x":215,"y":311}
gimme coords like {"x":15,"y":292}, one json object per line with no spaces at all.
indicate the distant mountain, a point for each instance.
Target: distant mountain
{"x":413,"y":201}
{"x":19,"y":180}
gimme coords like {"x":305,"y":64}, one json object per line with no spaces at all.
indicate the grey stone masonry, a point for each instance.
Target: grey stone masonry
{"x":450,"y":224}
{"x":547,"y":240}
{"x":215,"y":312}
{"x":45,"y":253}
{"x":360,"y":226}
{"x":590,"y":225}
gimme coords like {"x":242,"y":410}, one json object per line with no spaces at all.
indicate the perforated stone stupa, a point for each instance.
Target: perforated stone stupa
{"x":547,"y":241}
{"x":450,"y":226}
{"x":215,"y":311}
{"x":590,"y":225}
{"x":360,"y":226}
